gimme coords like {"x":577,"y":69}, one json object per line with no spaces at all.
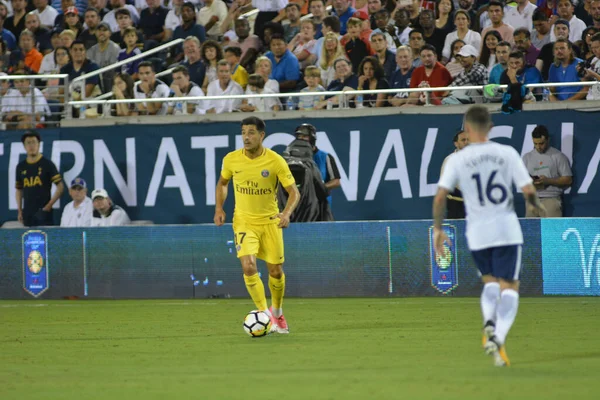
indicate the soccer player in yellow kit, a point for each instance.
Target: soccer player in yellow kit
{"x":257,"y":222}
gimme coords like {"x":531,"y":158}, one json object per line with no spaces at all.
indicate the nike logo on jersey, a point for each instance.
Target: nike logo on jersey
{"x":236,"y":172}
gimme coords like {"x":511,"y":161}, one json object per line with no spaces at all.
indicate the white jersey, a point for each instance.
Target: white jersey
{"x":77,"y":217}
{"x":485,"y":173}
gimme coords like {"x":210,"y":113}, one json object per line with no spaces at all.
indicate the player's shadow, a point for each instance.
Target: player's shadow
{"x":560,"y":357}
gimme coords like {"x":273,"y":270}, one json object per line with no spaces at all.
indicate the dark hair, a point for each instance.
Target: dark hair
{"x":189,"y":4}
{"x":259,"y":123}
{"x":3,"y":45}
{"x":182,"y":69}
{"x":484,"y":57}
{"x":381,"y":11}
{"x":125,"y":77}
{"x":333,"y":23}
{"x":214,"y":45}
{"x":522,"y":31}
{"x":429,"y":47}
{"x":562,"y":21}
{"x":452,"y":46}
{"x":235,"y":50}
{"x":122,"y":11}
{"x":517,"y":54}
{"x":496,"y":3}
{"x":147,"y":64}
{"x":437,"y":8}
{"x":78,"y":25}
{"x":596,"y":37}
{"x":539,"y":132}
{"x":416,"y":30}
{"x":277,"y":36}
{"x":584,"y":46}
{"x":94,"y":9}
{"x":504,"y":43}
{"x":62,"y":48}
{"x":322,"y":1}
{"x":256,"y":80}
{"x":31,"y":133}
{"x":292,"y":5}
{"x":463,"y":12}
{"x":128,"y":30}
{"x":457,"y":134}
{"x":379,"y":73}
{"x":478,"y":117}
{"x":77,"y":41}
{"x":274,"y":27}
{"x":539,"y":15}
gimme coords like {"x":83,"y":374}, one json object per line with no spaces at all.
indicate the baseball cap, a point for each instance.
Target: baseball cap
{"x":467,"y":51}
{"x":104,"y":25}
{"x":99,"y":193}
{"x":79,"y":182}
{"x":361,"y":15}
{"x":72,"y":10}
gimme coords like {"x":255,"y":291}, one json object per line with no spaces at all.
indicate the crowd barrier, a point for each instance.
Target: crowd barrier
{"x":339,"y":259}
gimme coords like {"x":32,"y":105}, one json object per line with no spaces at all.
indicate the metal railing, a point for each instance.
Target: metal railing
{"x":255,"y":11}
{"x":158,"y":75}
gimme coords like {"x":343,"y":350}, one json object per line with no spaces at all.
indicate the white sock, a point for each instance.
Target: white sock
{"x":506,"y":313}
{"x":489,"y":301}
{"x":277,"y":312}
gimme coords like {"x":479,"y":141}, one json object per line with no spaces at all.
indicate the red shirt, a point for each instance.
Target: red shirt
{"x":440,"y":77}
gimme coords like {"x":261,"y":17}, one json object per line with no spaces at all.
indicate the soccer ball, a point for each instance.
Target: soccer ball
{"x":257,"y":323}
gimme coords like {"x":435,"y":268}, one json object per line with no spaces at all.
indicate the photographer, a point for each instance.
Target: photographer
{"x":592,"y":70}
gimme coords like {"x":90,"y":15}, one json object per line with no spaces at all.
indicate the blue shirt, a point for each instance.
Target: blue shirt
{"x":197,"y":71}
{"x":400,"y":81}
{"x":195,"y":30}
{"x":320,"y":158}
{"x":87,"y":67}
{"x":344,"y":19}
{"x":287,"y":69}
{"x":496,"y":73}
{"x":565,"y":74}
{"x":9,"y":39}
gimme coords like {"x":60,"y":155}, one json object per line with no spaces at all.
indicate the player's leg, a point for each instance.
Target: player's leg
{"x":246,"y":245}
{"x":271,"y":250}
{"x":490,"y":293}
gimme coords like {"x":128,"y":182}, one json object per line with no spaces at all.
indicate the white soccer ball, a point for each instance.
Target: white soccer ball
{"x":257,"y":323}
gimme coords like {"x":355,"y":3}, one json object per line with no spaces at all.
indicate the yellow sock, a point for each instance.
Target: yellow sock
{"x":257,"y":291}
{"x":277,"y":287}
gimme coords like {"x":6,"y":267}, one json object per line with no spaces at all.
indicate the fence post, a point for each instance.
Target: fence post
{"x":67,"y":99}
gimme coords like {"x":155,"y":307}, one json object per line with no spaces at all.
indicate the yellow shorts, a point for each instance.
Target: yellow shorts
{"x":263,"y":241}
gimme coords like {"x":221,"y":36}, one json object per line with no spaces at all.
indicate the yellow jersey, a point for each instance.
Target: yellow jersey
{"x":255,"y":184}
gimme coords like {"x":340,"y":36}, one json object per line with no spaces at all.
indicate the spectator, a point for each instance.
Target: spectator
{"x":454,"y":66}
{"x":173,"y":19}
{"x":72,"y":21}
{"x":564,"y":69}
{"x":519,"y":72}
{"x":595,"y":12}
{"x":414,"y":11}
{"x":550,"y":171}
{"x":92,"y":20}
{"x":46,"y":13}
{"x":488,"y":52}
{"x":16,"y":22}
{"x":496,"y":14}
{"x":59,"y":21}
{"x":267,"y":11}
{"x":389,"y":32}
{"x":61,"y":58}
{"x":461,"y":21}
{"x":541,"y":32}
{"x":189,"y":27}
{"x":80,"y":65}
{"x":444,"y":9}
{"x":430,"y":74}
{"x":152,"y":23}
{"x":223,"y":86}
{"x":386,"y":58}
{"x":249,"y":44}
{"x":209,"y":17}
{"x":592,"y":71}
{"x":319,"y":12}
{"x":4,"y":57}
{"x":182,"y":86}
{"x":586,"y":42}
{"x":565,"y":10}
{"x":263,"y":67}
{"x":403,"y":28}
{"x":365,"y":28}
{"x":373,"y":6}
{"x":124,"y":21}
{"x":111,"y":17}
{"x":211,"y":55}
{"x":149,"y":87}
{"x":400,"y":79}
{"x":5,"y":34}
{"x":329,"y":53}
{"x":256,"y":85}
{"x":16,"y":107}
{"x":356,"y":48}
{"x":99,"y":5}
{"x":131,"y":50}
{"x":239,"y":73}
{"x":237,"y":8}
{"x":520,"y":15}
{"x":371,"y":77}
{"x":292,"y":11}
{"x":303,"y":43}
{"x":42,"y":35}
{"x":33,"y":58}
{"x":471,"y":9}
{"x":103,"y":54}
{"x":67,"y":37}
{"x":286,"y":69}
{"x":105,"y":212}
{"x":35,"y":176}
{"x":194,"y":64}
{"x":584,"y":10}
{"x":345,"y":80}
{"x":416,"y":42}
{"x":522,"y":39}
{"x":312,"y":77}
{"x":473,"y":74}
{"x":123,"y":89}
{"x":546,"y":57}
{"x":502,"y":53}
{"x":330,"y":24}
{"x":431,"y":34}
{"x":342,"y":10}
{"x":77,"y":213}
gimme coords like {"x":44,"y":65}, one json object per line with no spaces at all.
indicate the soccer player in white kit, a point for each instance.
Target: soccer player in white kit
{"x":486,"y":171}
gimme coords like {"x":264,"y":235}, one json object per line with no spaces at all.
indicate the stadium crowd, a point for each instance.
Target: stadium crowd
{"x":296,"y":46}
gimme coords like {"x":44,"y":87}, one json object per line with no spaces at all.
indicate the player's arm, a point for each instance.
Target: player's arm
{"x":290,"y":206}
{"x":19,"y":198}
{"x":439,"y":207}
{"x":220,"y":197}
{"x":531,"y":197}
{"x":60,"y":188}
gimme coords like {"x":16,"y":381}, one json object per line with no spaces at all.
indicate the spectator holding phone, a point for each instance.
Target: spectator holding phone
{"x":551,"y":174}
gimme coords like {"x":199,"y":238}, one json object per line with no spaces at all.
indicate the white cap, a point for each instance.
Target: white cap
{"x":468,"y":50}
{"x":99,"y":193}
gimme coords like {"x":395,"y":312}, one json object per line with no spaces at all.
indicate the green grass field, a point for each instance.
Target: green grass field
{"x":399,"y":348}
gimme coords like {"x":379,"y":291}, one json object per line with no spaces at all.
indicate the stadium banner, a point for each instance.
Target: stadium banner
{"x":571,"y":256}
{"x":338,"y":259}
{"x":444,"y":267}
{"x":389,"y":165}
{"x":35,"y":262}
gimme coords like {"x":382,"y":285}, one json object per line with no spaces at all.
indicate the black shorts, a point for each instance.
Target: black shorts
{"x":500,"y":262}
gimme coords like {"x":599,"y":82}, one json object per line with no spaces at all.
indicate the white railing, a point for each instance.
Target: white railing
{"x":158,"y":75}
{"x":345,"y":94}
{"x":255,"y":11}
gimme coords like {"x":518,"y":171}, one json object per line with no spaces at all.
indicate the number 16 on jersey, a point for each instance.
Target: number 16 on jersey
{"x":443,"y":268}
